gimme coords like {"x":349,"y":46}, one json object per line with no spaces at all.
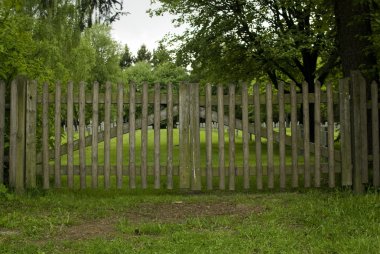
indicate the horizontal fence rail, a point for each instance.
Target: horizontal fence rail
{"x":187,"y":136}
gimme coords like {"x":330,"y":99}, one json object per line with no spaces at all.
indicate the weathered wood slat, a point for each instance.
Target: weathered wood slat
{"x":107,"y":136}
{"x":364,"y":131}
{"x":246,"y":134}
{"x":259,"y":172}
{"x":31,"y":127}
{"x":184,"y":149}
{"x":294,"y":134}
{"x":306,"y":134}
{"x":13,"y":135}
{"x":282,"y":134}
{"x":345,"y":132}
{"x":2,"y":129}
{"x":45,"y":135}
{"x":144,"y":136}
{"x":94,"y":137}
{"x":82,"y":135}
{"x":317,"y":135}
{"x":220,"y":120}
{"x":209,"y":137}
{"x":196,"y":183}
{"x":169,"y":169}
{"x":330,"y":135}
{"x":231,"y":146}
{"x":157,"y":127}
{"x":132,"y":136}
{"x":57,"y":140}
{"x":70,"y":145}
{"x":375,"y":134}
{"x":270,"y":160}
{"x":119,"y":149}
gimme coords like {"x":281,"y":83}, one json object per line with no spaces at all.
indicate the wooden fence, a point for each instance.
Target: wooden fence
{"x":332,"y":165}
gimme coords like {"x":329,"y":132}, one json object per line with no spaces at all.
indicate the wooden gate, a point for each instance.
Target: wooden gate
{"x":188,"y":146}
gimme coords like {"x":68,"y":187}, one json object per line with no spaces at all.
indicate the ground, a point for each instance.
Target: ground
{"x":149,"y":221}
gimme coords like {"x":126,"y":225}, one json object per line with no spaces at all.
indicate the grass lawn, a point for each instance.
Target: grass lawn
{"x":124,"y":221}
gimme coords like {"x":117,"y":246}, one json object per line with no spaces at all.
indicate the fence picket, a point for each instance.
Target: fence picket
{"x":330,"y":134}
{"x":95,"y":124}
{"x":259,"y":166}
{"x":269,"y":110}
{"x":169,"y":166}
{"x":293,"y":98}
{"x":45,"y":135}
{"x":70,"y":148}
{"x":209,"y":136}
{"x":306,"y":135}
{"x":107,"y":135}
{"x":144,"y":136}
{"x":222,"y":184}
{"x":375,"y":134}
{"x":132,"y":136}
{"x":119,"y":149}
{"x":282,"y":132}
{"x":184,"y":150}
{"x":82,"y":134}
{"x":231,"y":129}
{"x":157,"y":127}
{"x":363,"y":130}
{"x":317,"y":135}
{"x":57,"y":141}
{"x":246,"y":134}
{"x":2,"y":129}
{"x":31,"y":126}
{"x":13,"y":135}
{"x":196,"y":183}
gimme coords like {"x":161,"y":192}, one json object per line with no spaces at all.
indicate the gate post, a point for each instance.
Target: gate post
{"x":184,"y":142}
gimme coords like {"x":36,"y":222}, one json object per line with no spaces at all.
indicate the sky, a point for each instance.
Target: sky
{"x":137,"y":27}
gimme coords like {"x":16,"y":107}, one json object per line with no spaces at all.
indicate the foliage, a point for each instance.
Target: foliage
{"x":126,"y":59}
{"x":143,"y":54}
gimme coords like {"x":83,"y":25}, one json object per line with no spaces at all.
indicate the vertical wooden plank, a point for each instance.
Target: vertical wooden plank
{"x":246,"y":173}
{"x":231,"y":129}
{"x":196,"y":175}
{"x":209,"y":136}
{"x":95,"y":124}
{"x":70,"y":145}
{"x":270,"y":161}
{"x":157,"y":128}
{"x":20,"y":171}
{"x":132,"y":136}
{"x":2,"y":129}
{"x":317,"y":135}
{"x":119,"y":130}
{"x":364,"y":131}
{"x":306,"y":135}
{"x":82,"y":134}
{"x":282,"y":131}
{"x":330,"y":134}
{"x":345,"y":132}
{"x":184,"y":166}
{"x":169,"y":166}
{"x":375,"y":134}
{"x":356,"y":132}
{"x":107,"y":135}
{"x":31,"y":126}
{"x":45,"y":135}
{"x":13,"y":135}
{"x":222,"y":174}
{"x":259,"y":165}
{"x":144,"y":136}
{"x":57,"y":139}
{"x":293,"y":99}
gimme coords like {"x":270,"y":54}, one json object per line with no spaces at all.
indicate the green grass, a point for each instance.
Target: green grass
{"x":163,"y":150}
{"x":124,"y":221}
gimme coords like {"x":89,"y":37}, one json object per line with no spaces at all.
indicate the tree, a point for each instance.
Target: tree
{"x":143,"y":54}
{"x":161,"y":55}
{"x":127,"y":58}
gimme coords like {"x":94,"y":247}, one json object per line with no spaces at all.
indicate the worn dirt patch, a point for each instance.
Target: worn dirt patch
{"x":168,"y":212}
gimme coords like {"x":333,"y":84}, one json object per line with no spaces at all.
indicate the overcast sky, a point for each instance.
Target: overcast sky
{"x":137,"y":27}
